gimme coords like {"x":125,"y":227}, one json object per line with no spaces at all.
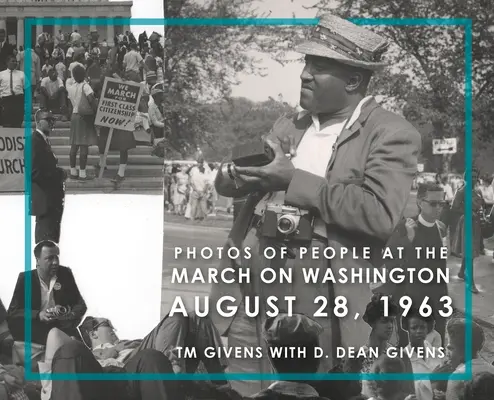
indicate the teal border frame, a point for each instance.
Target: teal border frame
{"x":465,"y":23}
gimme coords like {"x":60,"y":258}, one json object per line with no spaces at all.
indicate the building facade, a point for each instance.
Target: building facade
{"x":14,"y":12}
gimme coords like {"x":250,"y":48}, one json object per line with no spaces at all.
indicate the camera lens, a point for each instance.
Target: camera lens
{"x":287,"y":224}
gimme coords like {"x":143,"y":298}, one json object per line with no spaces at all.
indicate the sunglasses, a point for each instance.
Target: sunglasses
{"x":104,"y":324}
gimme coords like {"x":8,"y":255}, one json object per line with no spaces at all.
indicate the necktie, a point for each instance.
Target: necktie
{"x":12,"y":82}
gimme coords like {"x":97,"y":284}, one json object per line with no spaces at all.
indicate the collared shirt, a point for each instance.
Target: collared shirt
{"x":17,"y":82}
{"x":74,"y":90}
{"x":423,"y":388}
{"x":47,"y":298}
{"x":75,"y":36}
{"x":132,"y":61}
{"x":117,"y":362}
{"x":52,"y":87}
{"x":155,"y":116}
{"x":316,"y":148}
{"x":61,"y":68}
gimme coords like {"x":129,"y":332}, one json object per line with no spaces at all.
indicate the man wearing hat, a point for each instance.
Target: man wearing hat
{"x":284,"y":332}
{"x":347,"y":161}
{"x":48,"y":182}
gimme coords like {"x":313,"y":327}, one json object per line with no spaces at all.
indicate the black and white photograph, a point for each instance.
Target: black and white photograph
{"x":315,"y":196}
{"x":96,"y":205}
{"x":281,"y":189}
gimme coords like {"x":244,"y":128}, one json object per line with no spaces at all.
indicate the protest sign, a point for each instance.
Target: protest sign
{"x":11,"y":160}
{"x":117,"y":109}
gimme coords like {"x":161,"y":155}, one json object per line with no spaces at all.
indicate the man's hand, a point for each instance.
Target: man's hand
{"x":104,"y":354}
{"x":410,"y":226}
{"x":275,"y":176}
{"x":12,"y":382}
{"x":45,"y":316}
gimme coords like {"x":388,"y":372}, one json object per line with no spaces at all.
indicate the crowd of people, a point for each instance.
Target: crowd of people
{"x":453,"y":215}
{"x":189,"y":190}
{"x":67,"y":75}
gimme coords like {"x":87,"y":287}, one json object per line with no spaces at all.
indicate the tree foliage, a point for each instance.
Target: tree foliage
{"x":424,"y":81}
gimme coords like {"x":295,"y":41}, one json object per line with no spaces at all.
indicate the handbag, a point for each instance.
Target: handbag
{"x":487,"y":224}
{"x":84,"y":107}
{"x":19,"y":354}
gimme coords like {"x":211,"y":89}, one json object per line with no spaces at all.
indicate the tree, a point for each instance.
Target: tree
{"x":434,"y":92}
{"x":239,"y":121}
{"x":201,"y":65}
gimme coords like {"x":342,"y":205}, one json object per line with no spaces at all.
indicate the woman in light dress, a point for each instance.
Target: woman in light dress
{"x":82,"y":130}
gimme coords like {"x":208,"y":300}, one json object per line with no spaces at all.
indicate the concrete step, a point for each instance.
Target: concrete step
{"x":147,"y":184}
{"x":60,"y":139}
{"x":114,"y":159}
{"x":132,"y":171}
{"x":58,"y":124}
{"x":64,"y":149}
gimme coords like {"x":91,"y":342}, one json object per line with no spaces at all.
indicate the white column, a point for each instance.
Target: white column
{"x":3,"y":24}
{"x":39,"y":31}
{"x":92,"y":26}
{"x":110,"y":32}
{"x":20,"y":32}
{"x":75,"y":26}
{"x":56,"y":27}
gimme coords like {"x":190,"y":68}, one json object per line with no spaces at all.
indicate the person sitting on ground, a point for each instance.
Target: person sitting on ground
{"x":171,"y":334}
{"x":65,"y":355}
{"x":53,"y":288}
{"x":392,"y":389}
{"x":480,"y":387}
{"x":456,"y":329}
{"x":53,"y":96}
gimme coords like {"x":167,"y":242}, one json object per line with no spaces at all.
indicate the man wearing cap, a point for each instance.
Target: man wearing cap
{"x":48,"y":182}
{"x":347,"y":161}
{"x":281,"y":334}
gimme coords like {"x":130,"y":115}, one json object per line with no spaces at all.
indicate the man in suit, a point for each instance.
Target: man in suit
{"x":6,"y":50}
{"x":347,"y":161}
{"x":56,"y":300}
{"x":48,"y":182}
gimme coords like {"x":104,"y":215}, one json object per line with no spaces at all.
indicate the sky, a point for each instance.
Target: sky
{"x":284,"y":80}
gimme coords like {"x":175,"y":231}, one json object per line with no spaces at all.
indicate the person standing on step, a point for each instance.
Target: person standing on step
{"x":48,"y":182}
{"x":82,"y":129}
{"x":122,"y":141}
{"x":12,"y":83}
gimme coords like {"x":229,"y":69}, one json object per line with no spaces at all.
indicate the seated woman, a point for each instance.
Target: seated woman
{"x":423,"y":356}
{"x":382,"y":328}
{"x":456,"y":348}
